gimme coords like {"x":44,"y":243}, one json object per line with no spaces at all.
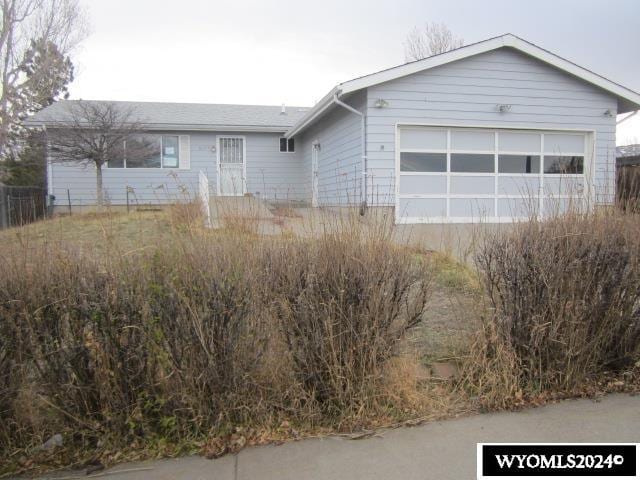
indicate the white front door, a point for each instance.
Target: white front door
{"x":231,"y":166}
{"x":315,"y":150}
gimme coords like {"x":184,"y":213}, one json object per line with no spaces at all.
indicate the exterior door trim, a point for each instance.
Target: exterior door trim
{"x":244,"y":162}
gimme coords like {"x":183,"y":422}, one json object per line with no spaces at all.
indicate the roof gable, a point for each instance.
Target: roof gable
{"x":628,"y":100}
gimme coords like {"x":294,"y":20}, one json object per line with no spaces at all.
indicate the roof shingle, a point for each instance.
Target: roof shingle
{"x":199,"y":116}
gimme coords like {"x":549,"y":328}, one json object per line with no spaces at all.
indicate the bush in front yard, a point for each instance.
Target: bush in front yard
{"x":344,"y":303}
{"x":565,"y":295}
{"x":199,"y":334}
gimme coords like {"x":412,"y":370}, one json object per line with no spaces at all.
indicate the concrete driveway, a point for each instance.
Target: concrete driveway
{"x":442,"y":450}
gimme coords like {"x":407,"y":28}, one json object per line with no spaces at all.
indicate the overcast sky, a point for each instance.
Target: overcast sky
{"x":295,"y":51}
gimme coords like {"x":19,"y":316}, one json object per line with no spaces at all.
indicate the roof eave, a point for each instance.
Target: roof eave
{"x":316,"y":111}
{"x":181,"y":127}
{"x":628,"y":100}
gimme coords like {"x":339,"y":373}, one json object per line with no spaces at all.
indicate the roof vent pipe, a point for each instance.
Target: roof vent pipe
{"x":283,"y":110}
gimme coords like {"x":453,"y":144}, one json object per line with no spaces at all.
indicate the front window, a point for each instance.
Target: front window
{"x":287,"y":145}
{"x":149,"y":151}
{"x":170,"y":151}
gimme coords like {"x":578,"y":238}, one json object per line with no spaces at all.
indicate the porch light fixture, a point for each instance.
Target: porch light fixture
{"x":503,"y":108}
{"x":608,"y":113}
{"x":381,"y":103}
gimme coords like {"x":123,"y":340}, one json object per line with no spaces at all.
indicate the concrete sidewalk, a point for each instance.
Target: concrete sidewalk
{"x":442,"y":450}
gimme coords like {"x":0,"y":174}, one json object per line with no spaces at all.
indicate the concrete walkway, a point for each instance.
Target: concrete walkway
{"x":442,"y":450}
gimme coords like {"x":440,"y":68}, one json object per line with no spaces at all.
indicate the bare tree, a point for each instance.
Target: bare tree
{"x":36,"y":38}
{"x":98,"y":133}
{"x":432,"y":39}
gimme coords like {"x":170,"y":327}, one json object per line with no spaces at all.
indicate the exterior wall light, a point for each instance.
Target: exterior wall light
{"x":608,"y":113}
{"x":381,"y":103}
{"x":503,"y":108}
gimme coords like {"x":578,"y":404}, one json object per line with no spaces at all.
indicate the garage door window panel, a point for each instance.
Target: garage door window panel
{"x":519,"y":142}
{"x":472,"y":185}
{"x":472,"y":163}
{"x":423,"y":162}
{"x":519,"y":164}
{"x":563,"y":144}
{"x":564,"y":165}
{"x":472,"y":207}
{"x":419,"y":184}
{"x":473,"y":141}
{"x":423,"y":139}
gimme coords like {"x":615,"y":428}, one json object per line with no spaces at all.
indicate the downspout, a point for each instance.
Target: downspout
{"x":363,"y":133}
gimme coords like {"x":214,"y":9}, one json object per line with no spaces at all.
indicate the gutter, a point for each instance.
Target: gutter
{"x":162,"y":127}
{"x":363,"y":133}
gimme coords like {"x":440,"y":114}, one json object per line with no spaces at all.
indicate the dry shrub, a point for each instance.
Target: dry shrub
{"x":198,"y":334}
{"x":212,"y":327}
{"x":345,"y":302}
{"x":83,"y":339}
{"x":565,"y":294}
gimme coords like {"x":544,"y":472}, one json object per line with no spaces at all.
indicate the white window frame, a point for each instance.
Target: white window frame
{"x":161,"y":167}
{"x":588,"y":154}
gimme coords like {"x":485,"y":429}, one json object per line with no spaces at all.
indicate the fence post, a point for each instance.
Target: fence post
{"x":127,"y":198}
{"x":9,"y":209}
{"x":4,"y":211}
{"x":69,"y":200}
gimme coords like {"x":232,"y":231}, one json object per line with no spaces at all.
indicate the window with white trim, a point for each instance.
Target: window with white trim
{"x":149,"y":151}
{"x":287,"y":145}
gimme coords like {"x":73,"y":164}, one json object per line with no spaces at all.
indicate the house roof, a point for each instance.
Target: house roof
{"x":628,"y":100}
{"x":628,"y":155}
{"x":628,"y":151}
{"x":187,"y":116}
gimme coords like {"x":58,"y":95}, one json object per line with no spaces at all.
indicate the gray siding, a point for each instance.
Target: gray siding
{"x":270,"y":174}
{"x":340,"y":156}
{"x":467,"y":91}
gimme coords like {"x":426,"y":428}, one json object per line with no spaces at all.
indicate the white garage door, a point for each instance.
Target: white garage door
{"x":466,"y":175}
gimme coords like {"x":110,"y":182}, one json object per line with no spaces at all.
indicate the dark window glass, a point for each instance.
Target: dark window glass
{"x":563,"y":164}
{"x":472,"y":163}
{"x":519,"y":163}
{"x":116,"y":157}
{"x":143,"y":152}
{"x":116,"y":163}
{"x":423,"y":162}
{"x":283,"y":144}
{"x":290,"y":145}
{"x":170,"y":151}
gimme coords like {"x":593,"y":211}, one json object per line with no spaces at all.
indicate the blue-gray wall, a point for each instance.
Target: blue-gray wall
{"x":467,"y":91}
{"x":270,"y":174}
{"x":340,"y":158}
